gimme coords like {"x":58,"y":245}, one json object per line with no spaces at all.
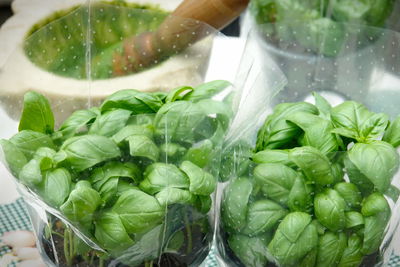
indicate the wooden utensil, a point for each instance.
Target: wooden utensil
{"x":190,"y":22}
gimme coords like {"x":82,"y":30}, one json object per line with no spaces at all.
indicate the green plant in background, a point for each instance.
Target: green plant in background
{"x":317,"y":24}
{"x":316,"y":192}
{"x":60,"y":43}
{"x":127,"y":172}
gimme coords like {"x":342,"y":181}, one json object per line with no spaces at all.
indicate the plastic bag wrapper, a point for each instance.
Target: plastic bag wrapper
{"x":107,"y":43}
{"x":321,"y":17}
{"x":300,"y":183}
{"x":113,"y":173}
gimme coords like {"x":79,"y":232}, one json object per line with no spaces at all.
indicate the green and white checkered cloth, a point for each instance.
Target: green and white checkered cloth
{"x":15,"y":217}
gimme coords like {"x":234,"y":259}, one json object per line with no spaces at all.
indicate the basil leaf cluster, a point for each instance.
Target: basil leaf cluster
{"x":324,"y":31}
{"x":316,"y":191}
{"x":115,"y":170}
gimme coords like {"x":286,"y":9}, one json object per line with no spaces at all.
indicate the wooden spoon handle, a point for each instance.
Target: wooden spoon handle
{"x":217,"y":13}
{"x":190,"y":22}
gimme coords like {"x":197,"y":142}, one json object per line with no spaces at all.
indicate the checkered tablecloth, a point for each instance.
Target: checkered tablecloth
{"x":15,"y":217}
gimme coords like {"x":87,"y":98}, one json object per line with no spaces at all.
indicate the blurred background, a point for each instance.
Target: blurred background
{"x":5,"y":12}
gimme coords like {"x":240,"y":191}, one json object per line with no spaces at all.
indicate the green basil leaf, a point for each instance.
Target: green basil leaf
{"x":350,"y":193}
{"x":317,"y":131}
{"x":276,"y":181}
{"x":81,"y":204}
{"x":315,"y":165}
{"x":354,"y":219}
{"x":200,"y":153}
{"x":36,"y":114}
{"x":169,"y":196}
{"x":375,"y":204}
{"x":56,"y":187}
{"x":277,"y":131}
{"x":273,"y":156}
{"x":203,"y":204}
{"x":142,"y":146}
{"x":145,"y":120}
{"x":130,"y":130}
{"x":161,"y":95}
{"x":392,"y":134}
{"x":252,"y":251}
{"x":323,"y":106}
{"x":372,"y":166}
{"x":320,"y":228}
{"x":221,"y":110}
{"x":337,"y":172}
{"x":124,"y":186}
{"x":310,"y":259}
{"x":235,"y":203}
{"x":161,"y":175}
{"x":352,"y":256}
{"x":59,"y":157}
{"x":295,"y":237}
{"x":262,"y":216}
{"x":110,"y":122}
{"x":45,"y":157}
{"x":172,"y":152}
{"x":201,"y":182}
{"x":376,"y":212}
{"x":206,"y":90}
{"x":74,"y":123}
{"x":115,"y":169}
{"x":379,"y":12}
{"x":330,"y":249}
{"x":109,"y":190}
{"x":329,"y":208}
{"x":31,"y":174}
{"x":374,"y":127}
{"x":132,"y":100}
{"x":111,"y":233}
{"x":350,"y":11}
{"x":14,"y":158}
{"x":300,"y":196}
{"x":177,"y":121}
{"x":138,"y":211}
{"x":44,"y":152}
{"x":29,"y":141}
{"x":178,"y":93}
{"x":350,"y":133}
{"x":350,"y":115}
{"x":86,"y":151}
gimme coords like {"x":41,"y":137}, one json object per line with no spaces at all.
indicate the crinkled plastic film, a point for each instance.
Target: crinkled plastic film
{"x":362,"y":69}
{"x":95,"y":41}
{"x":131,"y":199}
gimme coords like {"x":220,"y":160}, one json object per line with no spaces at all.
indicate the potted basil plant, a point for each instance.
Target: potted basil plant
{"x":319,"y":189}
{"x":128,"y":183}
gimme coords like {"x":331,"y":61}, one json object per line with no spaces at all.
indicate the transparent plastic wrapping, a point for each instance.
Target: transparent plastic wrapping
{"x":130,"y":182}
{"x":116,"y":45}
{"x":309,"y":22}
{"x":299,"y":184}
{"x":118,"y":146}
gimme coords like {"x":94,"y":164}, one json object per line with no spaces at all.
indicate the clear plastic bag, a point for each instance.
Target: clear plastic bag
{"x":261,"y":206}
{"x":72,"y":43}
{"x":118,"y":166}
